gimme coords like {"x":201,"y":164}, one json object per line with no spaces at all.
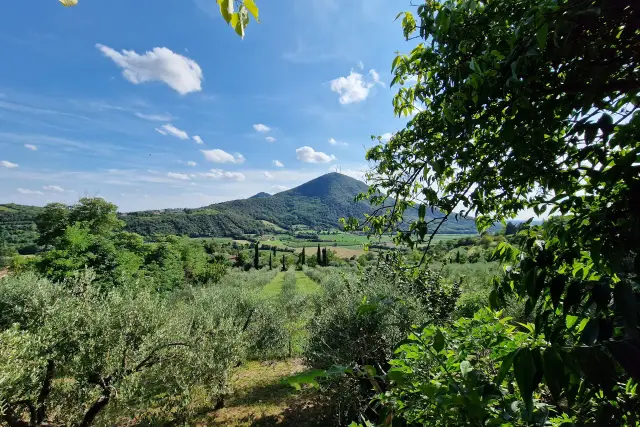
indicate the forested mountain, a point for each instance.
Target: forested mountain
{"x":319,"y":203}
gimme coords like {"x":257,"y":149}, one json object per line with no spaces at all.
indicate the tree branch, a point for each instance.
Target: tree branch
{"x":41,"y":407}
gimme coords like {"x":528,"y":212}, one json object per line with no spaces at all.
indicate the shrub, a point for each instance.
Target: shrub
{"x":78,"y":355}
{"x":359,"y":321}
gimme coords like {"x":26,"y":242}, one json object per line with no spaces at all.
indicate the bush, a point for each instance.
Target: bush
{"x":76,"y":351}
{"x":359,"y":321}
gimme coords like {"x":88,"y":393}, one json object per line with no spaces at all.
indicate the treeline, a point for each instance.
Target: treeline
{"x":89,"y":237}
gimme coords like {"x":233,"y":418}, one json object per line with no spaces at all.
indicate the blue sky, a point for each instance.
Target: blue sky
{"x":157,"y":104}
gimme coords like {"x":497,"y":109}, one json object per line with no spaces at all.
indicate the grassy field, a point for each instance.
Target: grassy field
{"x":260,"y":398}
{"x":304,"y":284}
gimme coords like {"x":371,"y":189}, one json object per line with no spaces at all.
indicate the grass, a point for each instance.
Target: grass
{"x":273,"y":288}
{"x":304,"y":284}
{"x":261,"y":398}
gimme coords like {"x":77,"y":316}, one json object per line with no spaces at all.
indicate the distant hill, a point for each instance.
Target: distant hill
{"x":319,"y":203}
{"x":260,"y":195}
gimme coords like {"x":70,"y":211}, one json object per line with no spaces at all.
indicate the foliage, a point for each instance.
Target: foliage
{"x":74,"y":354}
{"x":533,"y":105}
{"x":375,"y":312}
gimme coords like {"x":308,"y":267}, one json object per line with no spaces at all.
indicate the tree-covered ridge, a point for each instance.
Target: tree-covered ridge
{"x":319,"y":203}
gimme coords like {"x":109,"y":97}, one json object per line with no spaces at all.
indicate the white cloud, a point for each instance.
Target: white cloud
{"x":386,"y":136}
{"x":270,"y":139}
{"x":280,"y":188}
{"x":278,"y":164}
{"x":267,"y":175}
{"x":180,"y":176}
{"x":374,"y":75}
{"x":361,"y":65}
{"x":8,"y":164}
{"x":261,"y":128}
{"x":334,"y":141}
{"x":198,"y":140}
{"x":30,"y":192}
{"x":30,"y":147}
{"x":53,"y":188}
{"x":221,"y":156}
{"x":170,"y":129}
{"x":160,"y":131}
{"x":155,"y":117}
{"x":188,"y":163}
{"x":354,"y":87}
{"x":219,"y":174}
{"x":180,"y":73}
{"x":309,"y":155}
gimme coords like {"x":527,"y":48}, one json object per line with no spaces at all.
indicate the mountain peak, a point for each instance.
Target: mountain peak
{"x":260,"y":195}
{"x":330,"y":185}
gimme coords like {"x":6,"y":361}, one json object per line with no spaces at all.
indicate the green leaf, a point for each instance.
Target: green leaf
{"x":541,"y":35}
{"x":465,"y":368}
{"x":573,"y":296}
{"x":226,"y":10}
{"x":422,"y":211}
{"x":590,"y":132}
{"x":438,"y":341}
{"x":507,"y":361}
{"x":626,"y":306}
{"x":557,"y":288}
{"x":397,"y":375}
{"x":571,"y":320}
{"x":553,"y":371}
{"x":590,"y":332}
{"x":525,"y":371}
{"x":252,"y":8}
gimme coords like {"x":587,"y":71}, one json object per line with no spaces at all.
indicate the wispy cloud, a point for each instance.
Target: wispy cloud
{"x":180,"y":176}
{"x":219,"y":174}
{"x":333,"y":141}
{"x":278,"y":164}
{"x":30,"y":192}
{"x":170,"y":129}
{"x":54,"y":188}
{"x":155,"y":117}
{"x":270,"y":139}
{"x":7,"y":164}
{"x":30,"y":147}
{"x":198,"y":140}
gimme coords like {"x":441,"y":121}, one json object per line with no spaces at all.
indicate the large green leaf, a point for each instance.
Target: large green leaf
{"x":525,"y":373}
{"x":252,"y":8}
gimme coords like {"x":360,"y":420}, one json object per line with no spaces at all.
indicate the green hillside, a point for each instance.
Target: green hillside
{"x":319,"y":203}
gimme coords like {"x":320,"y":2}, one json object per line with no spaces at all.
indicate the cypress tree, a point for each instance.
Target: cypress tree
{"x":458,"y":257}
{"x":284,"y":266}
{"x":256,"y":258}
{"x":324,"y":257}
{"x":274,"y":250}
{"x":318,"y":256}
{"x":302,"y":259}
{"x":270,"y":262}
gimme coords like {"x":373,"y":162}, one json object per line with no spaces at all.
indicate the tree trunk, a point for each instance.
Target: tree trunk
{"x":94,"y":410}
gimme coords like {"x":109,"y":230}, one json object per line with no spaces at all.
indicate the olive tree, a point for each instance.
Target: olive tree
{"x":77,"y":356}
